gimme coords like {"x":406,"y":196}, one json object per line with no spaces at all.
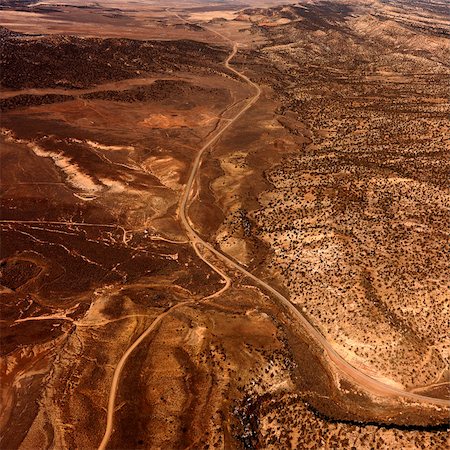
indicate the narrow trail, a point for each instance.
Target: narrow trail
{"x":119,"y":368}
{"x":359,"y":378}
{"x":121,"y":364}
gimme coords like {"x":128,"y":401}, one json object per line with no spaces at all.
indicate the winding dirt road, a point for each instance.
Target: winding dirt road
{"x":368,"y":383}
{"x":359,"y":378}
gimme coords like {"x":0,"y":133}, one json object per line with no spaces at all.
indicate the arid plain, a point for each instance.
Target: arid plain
{"x":225,"y":224}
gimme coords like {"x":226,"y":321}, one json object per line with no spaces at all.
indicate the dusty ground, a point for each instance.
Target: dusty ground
{"x":332,"y":188}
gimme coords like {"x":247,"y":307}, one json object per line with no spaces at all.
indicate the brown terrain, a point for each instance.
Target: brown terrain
{"x":225,"y":224}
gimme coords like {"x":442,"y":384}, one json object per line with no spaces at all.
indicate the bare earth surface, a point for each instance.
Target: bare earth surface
{"x":224,"y":225}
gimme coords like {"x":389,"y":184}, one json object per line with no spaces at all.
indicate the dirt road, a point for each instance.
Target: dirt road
{"x":374,"y":386}
{"x":359,"y":378}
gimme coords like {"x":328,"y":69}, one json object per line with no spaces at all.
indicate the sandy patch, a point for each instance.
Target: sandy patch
{"x":99,"y":146}
{"x":234,"y":246}
{"x":196,"y":337}
{"x":192,"y":119}
{"x":75,"y":176}
{"x":210,"y":15}
{"x":235,"y":170}
{"x":167,"y":170}
{"x":113,"y":185}
{"x":274,"y":23}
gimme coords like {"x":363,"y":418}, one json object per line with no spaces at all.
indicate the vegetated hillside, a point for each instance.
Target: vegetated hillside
{"x":159,"y":90}
{"x":16,"y":4}
{"x":72,"y":62}
{"x":358,"y":214}
{"x":26,"y":100}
